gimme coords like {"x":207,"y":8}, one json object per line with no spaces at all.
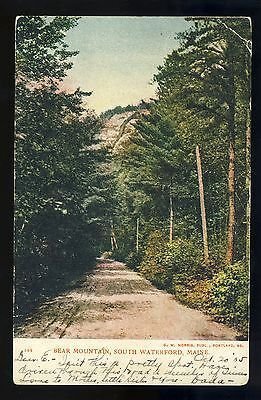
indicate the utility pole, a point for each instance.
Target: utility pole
{"x":114,"y":244}
{"x":137,"y":235}
{"x":202,"y":206}
{"x":171,"y":216}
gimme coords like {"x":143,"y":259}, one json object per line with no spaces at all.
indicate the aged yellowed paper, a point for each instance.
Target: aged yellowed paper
{"x":132,"y":200}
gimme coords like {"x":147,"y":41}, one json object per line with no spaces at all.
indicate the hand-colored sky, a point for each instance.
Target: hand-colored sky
{"x":118,"y":57}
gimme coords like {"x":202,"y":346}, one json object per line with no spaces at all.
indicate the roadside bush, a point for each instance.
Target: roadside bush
{"x":172,"y":266}
{"x":156,"y":264}
{"x":133,"y":260}
{"x":186,"y":262}
{"x":52,"y":251}
{"x":120,"y":254}
{"x":218,"y":248}
{"x":228,"y":301}
{"x":221,"y":291}
{"x":195,"y":293}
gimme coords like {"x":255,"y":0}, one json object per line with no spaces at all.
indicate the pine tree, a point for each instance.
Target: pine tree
{"x":206,"y":76}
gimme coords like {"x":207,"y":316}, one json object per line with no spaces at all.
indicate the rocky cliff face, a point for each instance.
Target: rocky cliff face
{"x":119,"y":128}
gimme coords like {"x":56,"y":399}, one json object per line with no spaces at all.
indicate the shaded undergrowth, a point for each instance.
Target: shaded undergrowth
{"x":30,"y":291}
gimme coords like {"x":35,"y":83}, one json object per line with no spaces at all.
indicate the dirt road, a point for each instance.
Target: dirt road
{"x":115,"y":302}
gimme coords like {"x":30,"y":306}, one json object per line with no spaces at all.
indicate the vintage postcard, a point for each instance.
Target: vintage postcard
{"x":132,"y":200}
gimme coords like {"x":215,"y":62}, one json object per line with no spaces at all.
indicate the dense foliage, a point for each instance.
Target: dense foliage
{"x":119,"y":109}
{"x":62,"y":187}
{"x":140,"y":200}
{"x":203,"y":99}
{"x":229,"y":296}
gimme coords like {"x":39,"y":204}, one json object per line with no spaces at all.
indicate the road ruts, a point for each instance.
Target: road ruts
{"x":115,"y":302}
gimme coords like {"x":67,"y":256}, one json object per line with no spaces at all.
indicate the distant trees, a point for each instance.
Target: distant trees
{"x":119,"y":109}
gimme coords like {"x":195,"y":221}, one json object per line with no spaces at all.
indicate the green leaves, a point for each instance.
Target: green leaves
{"x":42,"y":57}
{"x":203,"y":91}
{"x":63,"y":192}
{"x":169,"y":265}
{"x":229,"y":296}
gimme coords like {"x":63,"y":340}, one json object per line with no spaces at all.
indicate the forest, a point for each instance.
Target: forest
{"x":170,"y":197}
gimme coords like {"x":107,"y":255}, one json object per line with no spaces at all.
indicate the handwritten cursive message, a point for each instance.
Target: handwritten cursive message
{"x":105,"y":362}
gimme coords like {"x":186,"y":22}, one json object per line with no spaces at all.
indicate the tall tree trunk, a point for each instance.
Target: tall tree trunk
{"x":202,"y":207}
{"x":231,"y":209}
{"x":171,"y":217}
{"x":231,"y":165}
{"x":248,"y":185}
{"x":231,"y":170}
{"x":231,"y":128}
{"x":114,"y":244}
{"x":248,"y":159}
{"x":137,"y":235}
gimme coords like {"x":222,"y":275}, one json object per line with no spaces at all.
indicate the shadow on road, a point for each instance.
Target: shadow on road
{"x":36,"y":291}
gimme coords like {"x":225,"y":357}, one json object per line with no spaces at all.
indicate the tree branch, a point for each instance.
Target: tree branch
{"x":247,"y":42}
